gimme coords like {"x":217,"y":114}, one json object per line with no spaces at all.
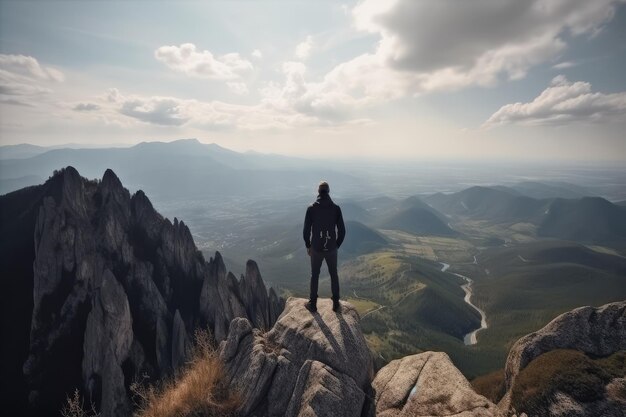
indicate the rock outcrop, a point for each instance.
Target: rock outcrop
{"x":597,"y":331}
{"x":117,"y":290}
{"x":308,"y":364}
{"x":427,"y":384}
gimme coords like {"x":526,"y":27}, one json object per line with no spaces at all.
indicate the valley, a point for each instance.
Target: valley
{"x":539,"y":242}
{"x":519,"y":279}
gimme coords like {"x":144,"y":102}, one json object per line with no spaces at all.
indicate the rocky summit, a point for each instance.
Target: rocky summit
{"x":100,"y":290}
{"x":307,"y":364}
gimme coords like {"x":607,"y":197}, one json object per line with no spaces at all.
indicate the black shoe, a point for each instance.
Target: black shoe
{"x":336,"y":305}
{"x":311,"y":306}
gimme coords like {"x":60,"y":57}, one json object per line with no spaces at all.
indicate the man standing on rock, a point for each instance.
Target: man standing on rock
{"x":322,"y":241}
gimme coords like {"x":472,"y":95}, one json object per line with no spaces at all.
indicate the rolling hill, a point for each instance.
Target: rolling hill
{"x":417,"y":221}
{"x":361,"y":239}
{"x":590,"y":219}
{"x":488,"y":203}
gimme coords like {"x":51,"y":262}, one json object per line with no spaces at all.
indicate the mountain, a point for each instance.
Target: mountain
{"x":361,"y":239}
{"x":490,"y":204}
{"x":542,"y":190}
{"x":352,"y":210}
{"x":417,"y":220}
{"x":590,"y":219}
{"x":185,"y":169}
{"x":98,"y":289}
{"x":22,"y":150}
{"x":12,"y":184}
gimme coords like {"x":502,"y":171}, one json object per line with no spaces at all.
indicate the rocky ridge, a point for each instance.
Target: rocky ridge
{"x":117,"y":292}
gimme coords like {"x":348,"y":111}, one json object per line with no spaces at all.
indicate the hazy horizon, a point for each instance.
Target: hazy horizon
{"x":540,"y":81}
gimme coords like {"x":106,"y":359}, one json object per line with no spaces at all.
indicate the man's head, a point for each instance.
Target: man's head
{"x":323,"y":188}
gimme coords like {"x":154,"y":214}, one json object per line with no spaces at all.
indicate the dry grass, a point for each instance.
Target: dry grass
{"x":491,"y":385}
{"x":74,"y":407}
{"x":197,"y":390}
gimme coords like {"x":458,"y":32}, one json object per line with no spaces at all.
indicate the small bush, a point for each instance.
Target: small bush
{"x":197,"y":390}
{"x":491,"y":385}
{"x":568,"y":371}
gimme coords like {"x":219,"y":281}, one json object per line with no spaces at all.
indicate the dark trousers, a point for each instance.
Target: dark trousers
{"x":316,"y":266}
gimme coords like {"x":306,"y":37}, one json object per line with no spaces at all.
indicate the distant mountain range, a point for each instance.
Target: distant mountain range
{"x":180,"y":169}
{"x":586,"y":219}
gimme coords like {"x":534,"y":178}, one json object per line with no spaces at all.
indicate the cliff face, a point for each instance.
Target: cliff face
{"x":116,"y":293}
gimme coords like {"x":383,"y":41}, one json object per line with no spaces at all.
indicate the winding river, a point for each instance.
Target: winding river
{"x":469,"y":338}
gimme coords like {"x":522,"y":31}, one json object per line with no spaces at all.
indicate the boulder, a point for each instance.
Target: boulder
{"x":597,"y":331}
{"x":427,"y":384}
{"x":307,"y":364}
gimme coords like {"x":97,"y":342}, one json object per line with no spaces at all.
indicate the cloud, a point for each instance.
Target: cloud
{"x":240,"y":89}
{"x":29,"y":67}
{"x":208,"y":115}
{"x":435,"y":45}
{"x":257,"y":54}
{"x":303,"y":50}
{"x":563,"y":102}
{"x":163,"y":111}
{"x":564,"y":65}
{"x":23,"y":79}
{"x":203,"y":64}
{"x":86,"y":107}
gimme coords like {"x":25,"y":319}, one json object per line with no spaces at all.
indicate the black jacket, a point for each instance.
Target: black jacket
{"x":319,"y":225}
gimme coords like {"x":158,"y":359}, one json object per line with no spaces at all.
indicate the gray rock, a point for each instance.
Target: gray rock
{"x":116,"y":283}
{"x":107,"y":343}
{"x":180,"y":342}
{"x":286,"y":369}
{"x":596,"y":331}
{"x":427,"y":384}
{"x":254,"y":296}
{"x":321,"y":391}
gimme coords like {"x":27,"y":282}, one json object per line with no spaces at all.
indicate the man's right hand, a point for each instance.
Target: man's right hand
{"x":308,"y":250}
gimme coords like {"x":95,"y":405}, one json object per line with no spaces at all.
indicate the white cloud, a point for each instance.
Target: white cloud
{"x":24,"y":77}
{"x":165,"y":111}
{"x":437,"y":45}
{"x":446,"y":44}
{"x":257,"y":54}
{"x":564,"y":65}
{"x":29,"y":67}
{"x":238,"y":88}
{"x":303,"y":50}
{"x":120,"y":108}
{"x":203,"y":64}
{"x":563,"y":102}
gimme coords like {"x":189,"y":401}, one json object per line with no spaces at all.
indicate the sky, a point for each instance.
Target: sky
{"x":399,"y":80}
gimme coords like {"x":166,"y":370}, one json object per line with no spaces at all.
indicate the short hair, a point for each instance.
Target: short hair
{"x":323,"y":187}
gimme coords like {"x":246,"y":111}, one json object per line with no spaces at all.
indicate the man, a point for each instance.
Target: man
{"x":322,"y":241}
